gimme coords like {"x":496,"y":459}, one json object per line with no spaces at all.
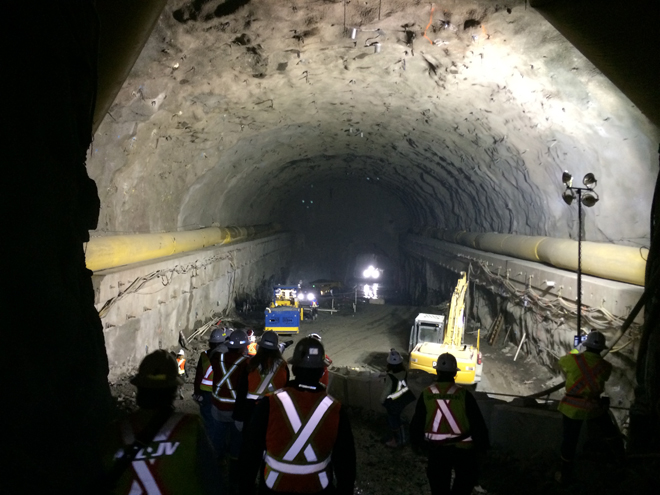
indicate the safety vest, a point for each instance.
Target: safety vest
{"x":302,"y":430}
{"x":182,"y":365}
{"x":446,"y":419}
{"x":260,"y":384}
{"x":226,"y":382}
{"x":168,"y":464}
{"x":207,"y":377}
{"x":401,"y":388}
{"x":252,"y":348}
{"x":586,"y":375}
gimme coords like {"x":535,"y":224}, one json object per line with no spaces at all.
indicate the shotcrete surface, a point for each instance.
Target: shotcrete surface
{"x":247,"y":112}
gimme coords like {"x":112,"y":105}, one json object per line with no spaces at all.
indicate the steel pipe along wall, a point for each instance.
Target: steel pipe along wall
{"x":112,"y":251}
{"x":610,"y":261}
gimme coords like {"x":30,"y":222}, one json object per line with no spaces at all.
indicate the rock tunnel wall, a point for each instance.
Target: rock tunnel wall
{"x":230,"y":113}
{"x":144,"y":306}
{"x":545,"y":319}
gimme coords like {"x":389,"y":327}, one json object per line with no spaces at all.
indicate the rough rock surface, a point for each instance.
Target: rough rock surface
{"x":251,"y":111}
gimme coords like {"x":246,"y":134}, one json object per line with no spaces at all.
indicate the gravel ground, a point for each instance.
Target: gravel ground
{"x":362,"y":340}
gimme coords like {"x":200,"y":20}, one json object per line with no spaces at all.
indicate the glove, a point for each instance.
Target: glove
{"x":239,"y":425}
{"x":197,"y":398}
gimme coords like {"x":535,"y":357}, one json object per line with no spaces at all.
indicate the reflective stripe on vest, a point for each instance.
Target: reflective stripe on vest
{"x":208,"y":374}
{"x":182,"y":366}
{"x":301,"y":441}
{"x":146,"y":482}
{"x":226,"y":380}
{"x":443,"y":412}
{"x":588,"y":378}
{"x":401,"y":388}
{"x":266,"y":382}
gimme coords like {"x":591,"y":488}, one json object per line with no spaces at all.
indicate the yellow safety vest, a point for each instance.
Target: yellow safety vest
{"x":586,"y":375}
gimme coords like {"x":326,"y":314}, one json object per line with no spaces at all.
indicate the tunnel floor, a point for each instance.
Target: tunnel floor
{"x":362,"y":340}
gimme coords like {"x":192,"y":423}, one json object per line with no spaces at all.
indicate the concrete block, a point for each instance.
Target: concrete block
{"x":525,"y":431}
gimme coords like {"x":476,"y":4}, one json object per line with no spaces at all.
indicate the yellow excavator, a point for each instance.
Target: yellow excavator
{"x":431,"y":336}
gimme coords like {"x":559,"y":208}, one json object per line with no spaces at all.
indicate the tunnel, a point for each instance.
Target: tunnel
{"x":222,"y":147}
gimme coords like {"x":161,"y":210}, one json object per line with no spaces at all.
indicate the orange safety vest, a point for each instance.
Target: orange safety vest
{"x":260,"y":384}
{"x":586,"y":375}
{"x":206,"y":384}
{"x":326,"y":372}
{"x":225,"y":380}
{"x":302,"y":430}
{"x":182,"y":365}
{"x":446,"y":418}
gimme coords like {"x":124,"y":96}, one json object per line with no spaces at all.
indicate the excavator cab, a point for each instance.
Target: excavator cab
{"x":427,"y":328}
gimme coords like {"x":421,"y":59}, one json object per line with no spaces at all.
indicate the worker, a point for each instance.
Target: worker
{"x":266,"y":373}
{"x":395,"y":397}
{"x":315,"y":309}
{"x":449,"y":427}
{"x":181,"y":363}
{"x":227,"y":369}
{"x":252,"y":346}
{"x":325,"y":379}
{"x":300,"y":437}
{"x":155,"y":449}
{"x":586,"y":374}
{"x":203,"y":386}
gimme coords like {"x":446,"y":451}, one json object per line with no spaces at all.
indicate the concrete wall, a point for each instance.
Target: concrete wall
{"x":144,"y":306}
{"x":544,"y":313}
{"x":520,"y":430}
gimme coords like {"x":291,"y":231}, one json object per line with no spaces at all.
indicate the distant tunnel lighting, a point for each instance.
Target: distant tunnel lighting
{"x":311,"y":297}
{"x":371,"y":272}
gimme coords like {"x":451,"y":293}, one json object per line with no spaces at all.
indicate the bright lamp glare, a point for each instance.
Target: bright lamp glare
{"x":310,"y":297}
{"x":371,"y":272}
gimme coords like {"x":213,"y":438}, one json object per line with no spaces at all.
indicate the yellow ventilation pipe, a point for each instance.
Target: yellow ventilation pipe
{"x":610,"y":261}
{"x":113,"y":251}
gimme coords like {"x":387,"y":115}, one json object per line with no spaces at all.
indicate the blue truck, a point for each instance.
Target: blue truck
{"x":284,"y":314}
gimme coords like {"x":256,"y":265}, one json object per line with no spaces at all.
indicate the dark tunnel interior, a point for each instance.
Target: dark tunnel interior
{"x":255,"y":112}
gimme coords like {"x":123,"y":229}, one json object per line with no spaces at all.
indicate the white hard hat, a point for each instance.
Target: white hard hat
{"x":394,"y":358}
{"x":181,"y":353}
{"x":595,"y":340}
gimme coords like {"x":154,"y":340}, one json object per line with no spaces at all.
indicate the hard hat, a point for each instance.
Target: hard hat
{"x":158,"y":370}
{"x":269,"y":340}
{"x":217,"y":336}
{"x":446,"y":362}
{"x":237,"y":340}
{"x":595,"y":340}
{"x":250,"y":335}
{"x":394,"y":357}
{"x":316,"y":336}
{"x":309,"y":353}
{"x":181,"y":353}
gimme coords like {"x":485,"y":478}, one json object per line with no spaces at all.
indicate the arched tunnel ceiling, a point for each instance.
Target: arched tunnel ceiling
{"x":234,"y":109}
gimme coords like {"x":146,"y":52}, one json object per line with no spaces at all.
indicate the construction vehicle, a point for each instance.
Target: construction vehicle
{"x":284,"y":314}
{"x":431,"y":336}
